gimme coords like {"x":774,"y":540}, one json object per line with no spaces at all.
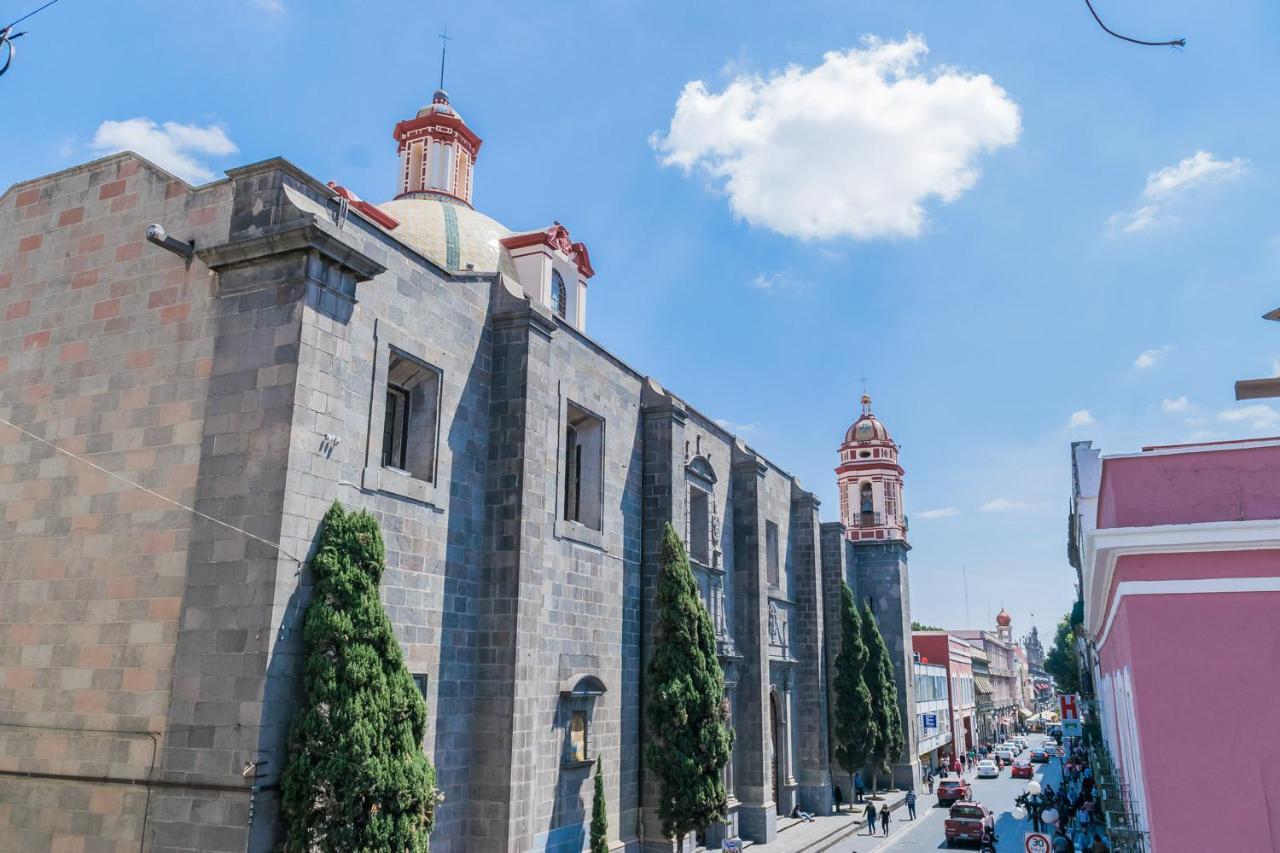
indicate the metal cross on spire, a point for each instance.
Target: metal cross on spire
{"x":444,"y":48}
{"x":864,"y":379}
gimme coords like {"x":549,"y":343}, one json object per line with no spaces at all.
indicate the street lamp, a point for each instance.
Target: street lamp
{"x":1035,"y":805}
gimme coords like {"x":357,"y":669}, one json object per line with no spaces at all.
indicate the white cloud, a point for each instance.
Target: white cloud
{"x":852,"y":147}
{"x":1082,"y":418}
{"x":941,"y":512}
{"x":1258,"y":416}
{"x":736,"y":428}
{"x":171,"y":145}
{"x":1002,"y":505}
{"x":1151,"y":357}
{"x":774,"y":281}
{"x":1165,"y":186}
{"x":1175,"y":404}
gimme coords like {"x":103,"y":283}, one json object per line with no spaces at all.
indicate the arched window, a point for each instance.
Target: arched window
{"x":559,"y":294}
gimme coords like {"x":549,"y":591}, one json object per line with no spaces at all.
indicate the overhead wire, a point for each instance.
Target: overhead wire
{"x":7,"y":36}
{"x":1173,"y":43}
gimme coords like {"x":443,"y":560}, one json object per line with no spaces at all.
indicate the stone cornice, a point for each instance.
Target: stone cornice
{"x":294,"y":237}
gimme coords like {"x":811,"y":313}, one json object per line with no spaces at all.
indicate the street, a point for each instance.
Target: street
{"x":926,"y":831}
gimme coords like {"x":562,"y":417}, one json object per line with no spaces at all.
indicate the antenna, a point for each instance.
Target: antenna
{"x":965,"y":569}
{"x":444,"y":49}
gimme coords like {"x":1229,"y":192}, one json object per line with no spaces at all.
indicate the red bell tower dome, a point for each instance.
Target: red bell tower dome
{"x":870,"y":481}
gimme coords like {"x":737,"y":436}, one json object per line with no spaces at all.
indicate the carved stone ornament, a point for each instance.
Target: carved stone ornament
{"x":775,"y":627}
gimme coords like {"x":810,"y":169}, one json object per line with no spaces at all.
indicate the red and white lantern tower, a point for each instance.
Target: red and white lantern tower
{"x":870,"y":481}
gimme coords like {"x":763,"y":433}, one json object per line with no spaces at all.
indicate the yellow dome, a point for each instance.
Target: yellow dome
{"x":451,"y":234}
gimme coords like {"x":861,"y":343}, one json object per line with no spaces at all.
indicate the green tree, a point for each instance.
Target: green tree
{"x":599,"y":819}
{"x":357,"y":778}
{"x":1060,"y":662}
{"x":889,"y":740}
{"x":686,"y":712}
{"x":919,"y":626}
{"x":855,"y":728}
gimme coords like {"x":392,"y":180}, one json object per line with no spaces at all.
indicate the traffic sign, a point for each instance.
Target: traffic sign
{"x":1061,"y":752}
{"x":1071,"y":728}
{"x":930,"y":721}
{"x":1037,"y":842}
{"x":731,"y":845}
{"x":1068,"y":707}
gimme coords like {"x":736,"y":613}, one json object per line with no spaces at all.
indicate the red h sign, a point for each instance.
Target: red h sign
{"x":1069,"y":706}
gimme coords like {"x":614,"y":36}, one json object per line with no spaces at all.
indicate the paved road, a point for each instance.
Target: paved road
{"x":926,"y":832}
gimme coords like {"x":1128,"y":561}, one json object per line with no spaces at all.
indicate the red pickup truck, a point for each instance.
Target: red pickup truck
{"x":952,"y":791}
{"x":966,"y":821}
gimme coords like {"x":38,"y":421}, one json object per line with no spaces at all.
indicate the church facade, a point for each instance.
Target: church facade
{"x":185,"y":402}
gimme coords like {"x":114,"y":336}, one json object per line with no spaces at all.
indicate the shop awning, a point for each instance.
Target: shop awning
{"x":1023,"y":712}
{"x":982,"y":685}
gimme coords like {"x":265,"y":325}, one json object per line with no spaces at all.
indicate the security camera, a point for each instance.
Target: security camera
{"x":156,"y":232}
{"x":157,"y":235}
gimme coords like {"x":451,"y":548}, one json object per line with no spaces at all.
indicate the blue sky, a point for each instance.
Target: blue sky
{"x":994,"y":231}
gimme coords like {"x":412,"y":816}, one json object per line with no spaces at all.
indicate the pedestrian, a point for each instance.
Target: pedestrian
{"x":807,"y":817}
{"x":857,"y":785}
{"x":911,"y":805}
{"x":1061,"y":844}
{"x":1099,"y":846}
{"x":928,"y":781}
{"x":871,"y":818}
{"x":839,"y":798}
{"x":884,"y":818}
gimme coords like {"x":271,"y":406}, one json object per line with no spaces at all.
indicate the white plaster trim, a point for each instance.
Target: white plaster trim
{"x":1211,"y":447}
{"x":1104,"y":546}
{"x":1189,"y":586}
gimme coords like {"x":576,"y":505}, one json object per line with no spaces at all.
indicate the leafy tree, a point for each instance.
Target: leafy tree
{"x":1060,"y":662}
{"x":599,"y":819}
{"x":686,"y":712}
{"x":854,"y":725}
{"x":889,"y":740}
{"x":357,"y":777}
{"x":918,"y":626}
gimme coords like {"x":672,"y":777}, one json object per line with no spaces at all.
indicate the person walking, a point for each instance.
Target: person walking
{"x":839,"y":798}
{"x":884,"y":818}
{"x":1099,"y":846}
{"x":871,"y":818}
{"x":911,"y":805}
{"x":928,"y":781}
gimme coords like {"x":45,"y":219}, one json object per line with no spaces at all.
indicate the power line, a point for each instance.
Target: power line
{"x":30,"y":14}
{"x":1109,"y":31}
{"x":7,"y":35}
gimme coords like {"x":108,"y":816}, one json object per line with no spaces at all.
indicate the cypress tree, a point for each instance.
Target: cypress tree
{"x":599,"y":819}
{"x":854,"y":724}
{"x":686,"y":711}
{"x":357,"y":778}
{"x":889,"y":739}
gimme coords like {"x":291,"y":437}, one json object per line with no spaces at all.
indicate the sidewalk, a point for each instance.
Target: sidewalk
{"x":796,"y":836}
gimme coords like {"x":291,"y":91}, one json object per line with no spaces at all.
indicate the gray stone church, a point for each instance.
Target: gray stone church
{"x":183,"y":403}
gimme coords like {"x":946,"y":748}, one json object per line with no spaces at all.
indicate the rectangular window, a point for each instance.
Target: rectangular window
{"x":410,"y":423}
{"x":699,"y":526}
{"x":583,"y":467}
{"x":420,"y":681}
{"x":578,"y":736}
{"x":771,"y":552}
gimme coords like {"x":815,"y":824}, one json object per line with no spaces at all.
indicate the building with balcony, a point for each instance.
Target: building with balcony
{"x":933,"y":718}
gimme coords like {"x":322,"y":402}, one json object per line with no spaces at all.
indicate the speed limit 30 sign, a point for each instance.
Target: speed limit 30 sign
{"x":1037,"y":842}
{"x":1061,"y":752}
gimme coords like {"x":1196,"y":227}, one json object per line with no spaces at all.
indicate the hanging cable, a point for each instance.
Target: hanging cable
{"x":7,"y":35}
{"x":1109,"y":31}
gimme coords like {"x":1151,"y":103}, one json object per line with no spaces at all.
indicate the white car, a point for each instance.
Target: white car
{"x":1004,"y":753}
{"x":988,"y":769}
{"x":1020,"y":741}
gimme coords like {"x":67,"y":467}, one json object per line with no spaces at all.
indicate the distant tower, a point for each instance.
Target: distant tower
{"x":870,"y":481}
{"x":1004,"y":625}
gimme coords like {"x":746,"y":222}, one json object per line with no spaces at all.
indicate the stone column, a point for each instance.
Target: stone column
{"x":808,"y":619}
{"x":522,"y":410}
{"x":663,"y":418}
{"x":882,"y":578}
{"x":757,"y":815}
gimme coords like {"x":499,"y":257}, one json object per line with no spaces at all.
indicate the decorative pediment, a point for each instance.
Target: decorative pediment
{"x":582,"y":684}
{"x":557,"y":239}
{"x":700,"y":467}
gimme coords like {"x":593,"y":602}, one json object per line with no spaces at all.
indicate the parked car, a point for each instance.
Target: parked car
{"x":988,"y":769}
{"x":1022,"y":770}
{"x":1005,"y":754}
{"x":966,"y":821}
{"x":952,"y":791}
{"x":1039,"y":756}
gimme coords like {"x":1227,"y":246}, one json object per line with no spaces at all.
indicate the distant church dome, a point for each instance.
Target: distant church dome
{"x":1003,"y":619}
{"x":439,"y":106}
{"x":867,"y":427}
{"x":451,"y":234}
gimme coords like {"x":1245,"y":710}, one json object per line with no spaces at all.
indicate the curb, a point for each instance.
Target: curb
{"x":840,"y":834}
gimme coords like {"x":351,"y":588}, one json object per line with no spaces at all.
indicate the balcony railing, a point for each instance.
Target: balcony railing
{"x":867,"y":519}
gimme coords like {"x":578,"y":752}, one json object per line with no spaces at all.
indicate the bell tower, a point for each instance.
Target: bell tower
{"x":870,"y":481}
{"x":437,"y":153}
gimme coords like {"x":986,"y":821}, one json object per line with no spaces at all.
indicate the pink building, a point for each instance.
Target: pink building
{"x":954,"y":653}
{"x":1179,"y":558}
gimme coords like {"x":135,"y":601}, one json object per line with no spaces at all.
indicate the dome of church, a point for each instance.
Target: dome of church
{"x":451,"y":234}
{"x":1003,"y":619}
{"x":439,"y":106}
{"x":867,"y":427}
